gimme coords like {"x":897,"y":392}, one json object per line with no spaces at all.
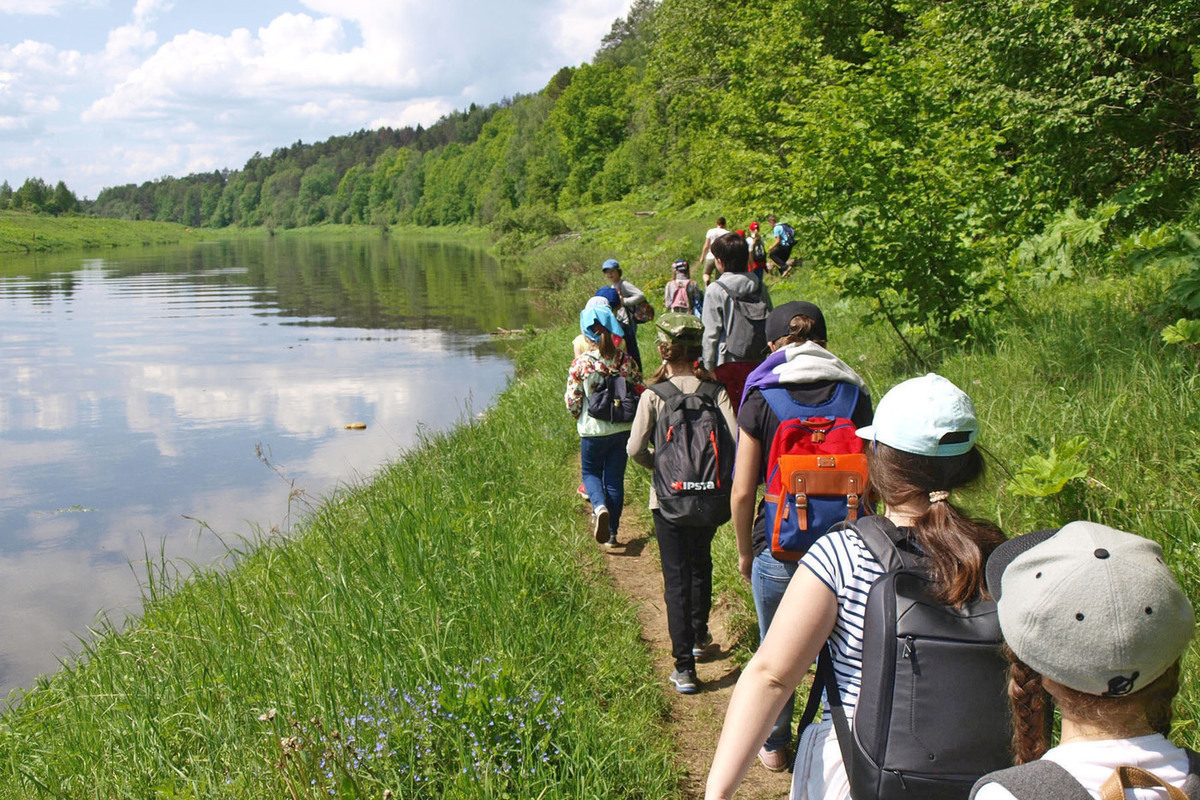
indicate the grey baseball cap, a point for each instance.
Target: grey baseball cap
{"x":1091,"y":607}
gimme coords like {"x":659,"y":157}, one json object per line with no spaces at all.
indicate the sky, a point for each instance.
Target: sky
{"x":102,"y":92}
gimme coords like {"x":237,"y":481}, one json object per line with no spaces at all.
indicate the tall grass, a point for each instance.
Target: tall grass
{"x":438,"y":633}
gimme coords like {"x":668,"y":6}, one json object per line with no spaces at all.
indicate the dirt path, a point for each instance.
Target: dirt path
{"x":695,"y":720}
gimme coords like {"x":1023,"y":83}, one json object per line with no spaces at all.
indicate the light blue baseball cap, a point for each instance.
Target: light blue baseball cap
{"x":926,"y":416}
{"x":611,"y":263}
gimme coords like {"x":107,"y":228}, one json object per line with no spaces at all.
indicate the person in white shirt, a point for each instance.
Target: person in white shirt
{"x":706,"y":254}
{"x":1096,"y":624}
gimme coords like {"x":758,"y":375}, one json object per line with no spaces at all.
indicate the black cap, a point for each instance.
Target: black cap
{"x":780,"y":316}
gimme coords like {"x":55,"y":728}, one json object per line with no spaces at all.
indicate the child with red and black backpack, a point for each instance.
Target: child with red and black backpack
{"x":800,"y":379}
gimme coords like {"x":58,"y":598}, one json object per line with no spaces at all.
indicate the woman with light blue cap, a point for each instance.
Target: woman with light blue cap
{"x":603,"y":385}
{"x":921,"y":448}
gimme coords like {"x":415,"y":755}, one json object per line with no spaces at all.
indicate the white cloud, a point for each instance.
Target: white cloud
{"x":191,"y":97}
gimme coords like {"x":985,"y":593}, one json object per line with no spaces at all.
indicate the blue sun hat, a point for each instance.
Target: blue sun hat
{"x":603,"y":315}
{"x":926,"y":416}
{"x":611,"y":295}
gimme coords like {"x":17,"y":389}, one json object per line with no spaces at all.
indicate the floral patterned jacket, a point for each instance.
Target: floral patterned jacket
{"x":585,"y":375}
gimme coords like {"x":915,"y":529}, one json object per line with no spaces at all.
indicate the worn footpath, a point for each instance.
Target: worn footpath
{"x":695,"y":720}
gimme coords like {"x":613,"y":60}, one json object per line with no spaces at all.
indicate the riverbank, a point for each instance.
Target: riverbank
{"x":449,"y":630}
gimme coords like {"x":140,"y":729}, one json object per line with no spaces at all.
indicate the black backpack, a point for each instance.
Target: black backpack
{"x":693,"y":456}
{"x":932,"y":714}
{"x":758,"y":253}
{"x":614,"y":400}
{"x":746,"y":328}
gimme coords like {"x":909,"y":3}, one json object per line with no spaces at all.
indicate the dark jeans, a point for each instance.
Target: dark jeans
{"x":780,"y":254}
{"x":631,"y":342}
{"x":686,"y":555}
{"x":602,"y":461}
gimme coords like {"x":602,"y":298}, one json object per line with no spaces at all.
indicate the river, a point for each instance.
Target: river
{"x":171,"y":403}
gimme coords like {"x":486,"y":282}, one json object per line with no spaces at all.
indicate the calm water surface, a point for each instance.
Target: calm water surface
{"x":159,"y":401}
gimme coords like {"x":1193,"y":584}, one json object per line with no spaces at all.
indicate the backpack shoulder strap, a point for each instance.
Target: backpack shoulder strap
{"x":1037,"y":779}
{"x":665,"y":390}
{"x":1191,"y":786}
{"x":882,"y":538}
{"x":709,"y":389}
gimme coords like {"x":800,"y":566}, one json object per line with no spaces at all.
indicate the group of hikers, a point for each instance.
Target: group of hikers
{"x":941,"y":647}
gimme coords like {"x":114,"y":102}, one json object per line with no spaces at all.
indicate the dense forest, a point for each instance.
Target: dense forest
{"x":933,"y":152}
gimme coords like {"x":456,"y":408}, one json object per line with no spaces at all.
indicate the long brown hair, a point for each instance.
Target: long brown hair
{"x":955,"y":546}
{"x":605,"y":343}
{"x":1032,"y":707}
{"x":673,"y":353}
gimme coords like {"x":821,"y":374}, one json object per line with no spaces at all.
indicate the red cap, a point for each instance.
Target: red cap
{"x":753,"y":226}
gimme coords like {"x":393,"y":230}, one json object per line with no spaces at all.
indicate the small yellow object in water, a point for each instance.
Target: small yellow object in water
{"x":355,"y":426}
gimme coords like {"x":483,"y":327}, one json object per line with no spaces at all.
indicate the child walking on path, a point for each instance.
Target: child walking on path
{"x":681,"y":293}
{"x":921,"y":447}
{"x":603,"y":438}
{"x":814,"y":377}
{"x":684,"y":543}
{"x":631,"y":297}
{"x":1096,"y":625}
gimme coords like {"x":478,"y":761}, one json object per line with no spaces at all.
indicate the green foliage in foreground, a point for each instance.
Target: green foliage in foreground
{"x":37,"y":233}
{"x":439,"y":633}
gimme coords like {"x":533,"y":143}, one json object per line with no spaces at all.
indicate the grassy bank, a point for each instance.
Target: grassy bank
{"x":440,"y":633}
{"x":41,"y":233}
{"x":447,"y":631}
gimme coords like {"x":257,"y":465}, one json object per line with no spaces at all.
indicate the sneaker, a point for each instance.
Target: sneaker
{"x":700,"y":648}
{"x":685,"y":681}
{"x":582,"y":492}
{"x":600,"y":525}
{"x":774,"y":760}
{"x":612,"y":541}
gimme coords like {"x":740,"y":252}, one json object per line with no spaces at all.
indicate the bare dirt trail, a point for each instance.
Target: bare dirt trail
{"x":695,"y":720}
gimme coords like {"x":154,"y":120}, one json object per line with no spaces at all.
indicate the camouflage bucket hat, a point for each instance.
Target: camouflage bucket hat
{"x":679,"y":328}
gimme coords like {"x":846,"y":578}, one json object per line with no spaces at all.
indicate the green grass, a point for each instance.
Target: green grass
{"x":41,"y":233}
{"x":465,"y":566}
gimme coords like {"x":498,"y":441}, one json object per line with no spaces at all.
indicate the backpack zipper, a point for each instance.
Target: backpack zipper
{"x":712,"y":437}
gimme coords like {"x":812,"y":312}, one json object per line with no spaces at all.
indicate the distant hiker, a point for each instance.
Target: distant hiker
{"x":735,"y":312}
{"x":605,"y":296}
{"x":707,"y":257}
{"x":758,"y":252}
{"x":603,"y":385}
{"x":811,"y":381}
{"x":681,"y":293}
{"x":631,"y":296}
{"x":1096,"y":625}
{"x":781,"y":245}
{"x":921,"y":447}
{"x":687,"y":418}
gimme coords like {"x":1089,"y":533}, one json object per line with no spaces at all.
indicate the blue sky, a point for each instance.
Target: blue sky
{"x":106,"y":92}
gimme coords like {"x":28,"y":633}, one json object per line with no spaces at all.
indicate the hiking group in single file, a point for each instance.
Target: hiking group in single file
{"x":941,"y":647}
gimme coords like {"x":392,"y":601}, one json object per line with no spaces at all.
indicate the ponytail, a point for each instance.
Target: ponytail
{"x":955,"y":546}
{"x":606,"y":344}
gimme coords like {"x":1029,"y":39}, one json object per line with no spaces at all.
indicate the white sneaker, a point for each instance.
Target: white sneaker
{"x":600,"y":524}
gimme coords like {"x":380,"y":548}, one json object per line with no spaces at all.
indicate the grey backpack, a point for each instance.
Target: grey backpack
{"x":932,"y":714}
{"x":746,"y":329}
{"x":1045,"y":780}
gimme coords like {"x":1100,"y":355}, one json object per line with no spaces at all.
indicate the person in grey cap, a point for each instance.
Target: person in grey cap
{"x":920,"y":448}
{"x":1096,"y":625}
{"x":811,"y":375}
{"x":685,"y":550}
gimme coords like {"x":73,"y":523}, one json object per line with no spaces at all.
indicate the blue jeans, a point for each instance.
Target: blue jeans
{"x":602,"y":461}
{"x":769,"y":579}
